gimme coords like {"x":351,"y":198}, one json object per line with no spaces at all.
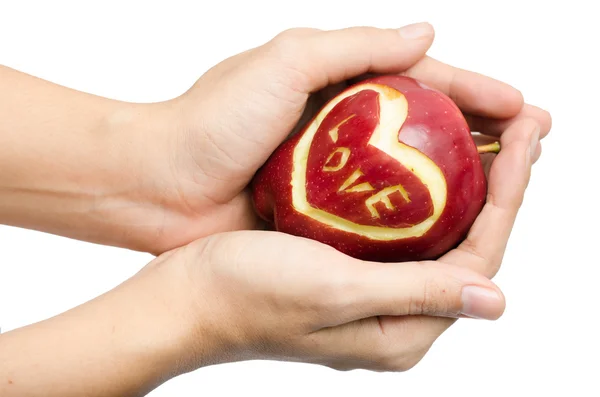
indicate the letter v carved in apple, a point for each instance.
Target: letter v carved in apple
{"x":387,"y":171}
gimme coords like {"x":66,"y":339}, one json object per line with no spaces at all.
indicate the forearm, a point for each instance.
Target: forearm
{"x":70,"y":162}
{"x":123,"y":343}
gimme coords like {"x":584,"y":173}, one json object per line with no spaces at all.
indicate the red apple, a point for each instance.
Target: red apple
{"x":386,"y":171}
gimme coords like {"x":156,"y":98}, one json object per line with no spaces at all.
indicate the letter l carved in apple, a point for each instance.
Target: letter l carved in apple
{"x":386,"y":171}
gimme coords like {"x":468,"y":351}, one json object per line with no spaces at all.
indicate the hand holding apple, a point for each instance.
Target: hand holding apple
{"x":241,"y":110}
{"x":274,"y":296}
{"x":238,"y":296}
{"x":153,"y":177}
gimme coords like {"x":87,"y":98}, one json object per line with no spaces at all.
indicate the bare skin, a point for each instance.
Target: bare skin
{"x":170,"y":178}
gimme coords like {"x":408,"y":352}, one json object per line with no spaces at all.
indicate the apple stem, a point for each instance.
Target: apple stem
{"x":489,"y":148}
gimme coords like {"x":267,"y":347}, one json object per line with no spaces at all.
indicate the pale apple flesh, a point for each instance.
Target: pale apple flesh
{"x":386,"y":171}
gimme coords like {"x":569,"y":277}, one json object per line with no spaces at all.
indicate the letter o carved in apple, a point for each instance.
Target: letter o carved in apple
{"x":386,"y":171}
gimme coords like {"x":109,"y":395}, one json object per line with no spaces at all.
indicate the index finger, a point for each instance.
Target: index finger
{"x":484,"y":246}
{"x":472,"y":92}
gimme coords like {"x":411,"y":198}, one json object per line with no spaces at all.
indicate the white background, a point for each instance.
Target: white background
{"x":547,"y":340}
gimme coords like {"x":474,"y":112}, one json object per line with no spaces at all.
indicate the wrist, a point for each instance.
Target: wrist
{"x":132,"y":183}
{"x":159,"y":318}
{"x":196,"y":334}
{"x":75,"y":161}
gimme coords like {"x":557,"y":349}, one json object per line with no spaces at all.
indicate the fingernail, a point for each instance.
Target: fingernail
{"x":482,"y":303}
{"x":535,"y":139}
{"x":416,"y":31}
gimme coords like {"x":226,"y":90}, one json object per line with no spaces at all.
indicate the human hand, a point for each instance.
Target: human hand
{"x":297,"y":299}
{"x":269,"y":295}
{"x":235,"y":116}
{"x":248,"y":295}
{"x":152,"y":177}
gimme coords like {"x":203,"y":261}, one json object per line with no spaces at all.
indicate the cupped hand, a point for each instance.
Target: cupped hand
{"x":275,"y":296}
{"x":268,"y":295}
{"x":228,"y":124}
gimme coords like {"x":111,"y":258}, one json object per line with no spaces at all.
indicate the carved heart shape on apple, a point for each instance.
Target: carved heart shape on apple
{"x":387,"y":171}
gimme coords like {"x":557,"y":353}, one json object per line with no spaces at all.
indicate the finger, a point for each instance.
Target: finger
{"x":472,"y":92}
{"x":385,"y":343}
{"x":487,"y":158}
{"x":538,"y":152}
{"x":314,"y":103}
{"x":368,"y":344}
{"x":496,"y":127}
{"x":481,"y":139}
{"x":331,"y":91}
{"x":329,"y":57}
{"x":484,"y":246}
{"x":411,"y":288}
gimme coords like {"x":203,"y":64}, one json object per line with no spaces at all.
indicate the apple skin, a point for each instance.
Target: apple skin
{"x":343,"y":174}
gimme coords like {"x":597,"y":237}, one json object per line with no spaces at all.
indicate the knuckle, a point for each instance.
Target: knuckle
{"x":486,"y":264}
{"x":382,"y":356}
{"x":396,"y":362}
{"x":291,"y":54}
{"x":371,"y":33}
{"x":294,"y":33}
{"x":368,"y":349}
{"x":365,"y":33}
{"x":407,"y":362}
{"x":403,"y":349}
{"x":342,"y":367}
{"x":339,"y":284}
{"x":439,"y":295}
{"x":406,"y":359}
{"x":431,"y":300}
{"x":390,"y":37}
{"x":290,"y":42}
{"x":335,"y":291}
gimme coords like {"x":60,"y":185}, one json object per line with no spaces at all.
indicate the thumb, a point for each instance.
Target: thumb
{"x":420,"y":288}
{"x":329,"y":57}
